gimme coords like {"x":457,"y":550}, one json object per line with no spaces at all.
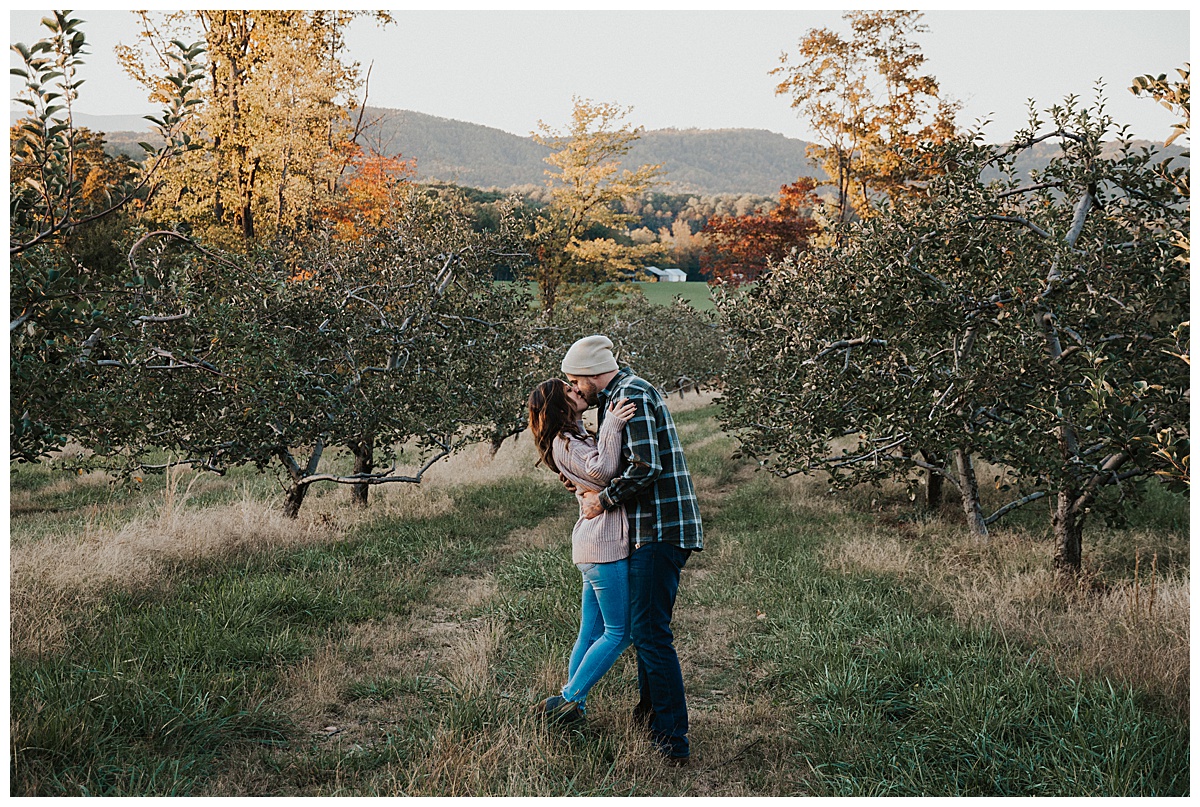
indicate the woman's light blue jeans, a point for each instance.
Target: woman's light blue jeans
{"x":603,"y":628}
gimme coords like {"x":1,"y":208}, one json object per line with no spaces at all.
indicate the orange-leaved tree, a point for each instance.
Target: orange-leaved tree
{"x":370,"y":197}
{"x":739,"y":249}
{"x":868,"y":104}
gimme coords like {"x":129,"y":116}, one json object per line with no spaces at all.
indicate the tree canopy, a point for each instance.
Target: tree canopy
{"x":574,"y":237}
{"x":1039,"y":322}
{"x":867,"y":100}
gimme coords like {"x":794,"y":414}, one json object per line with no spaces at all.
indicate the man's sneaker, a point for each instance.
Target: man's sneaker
{"x":557,"y":709}
{"x":676,"y":762}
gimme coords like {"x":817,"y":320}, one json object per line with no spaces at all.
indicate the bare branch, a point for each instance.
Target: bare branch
{"x":1014,"y":220}
{"x":285,"y":457}
{"x":840,"y":462}
{"x":19,"y":321}
{"x":179,"y":364}
{"x":204,"y":464}
{"x":843,"y":344}
{"x":172,"y":234}
{"x":315,"y":458}
{"x":1029,"y":189}
{"x":1107,"y":475}
{"x":1033,"y":141}
{"x":1008,"y":508}
{"x":382,"y":478}
{"x":170,"y":318}
{"x":1082,"y":207}
{"x":939,"y":401}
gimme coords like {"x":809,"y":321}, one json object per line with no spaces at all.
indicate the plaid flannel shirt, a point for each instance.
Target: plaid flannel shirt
{"x":655,"y":486}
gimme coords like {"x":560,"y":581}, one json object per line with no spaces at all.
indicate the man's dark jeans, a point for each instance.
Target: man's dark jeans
{"x":653,"y":581}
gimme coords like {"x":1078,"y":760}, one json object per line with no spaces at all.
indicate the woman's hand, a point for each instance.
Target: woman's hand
{"x":623,"y":410}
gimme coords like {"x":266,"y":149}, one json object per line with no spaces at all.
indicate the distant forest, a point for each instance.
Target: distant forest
{"x":729,"y":172}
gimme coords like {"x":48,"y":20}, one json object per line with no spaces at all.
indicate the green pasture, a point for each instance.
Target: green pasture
{"x":696,"y":294}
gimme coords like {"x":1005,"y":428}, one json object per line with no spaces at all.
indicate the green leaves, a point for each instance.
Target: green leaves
{"x":963,"y":318}
{"x":46,"y":151}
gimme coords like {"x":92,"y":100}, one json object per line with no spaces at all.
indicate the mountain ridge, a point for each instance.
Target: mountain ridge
{"x":699,"y":161}
{"x":730,"y":161}
{"x":703,"y":161}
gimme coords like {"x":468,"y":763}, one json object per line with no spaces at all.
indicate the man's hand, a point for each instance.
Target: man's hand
{"x":590,"y":506}
{"x":567,"y":483}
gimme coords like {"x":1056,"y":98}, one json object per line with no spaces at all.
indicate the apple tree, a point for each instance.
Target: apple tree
{"x":397,"y":341}
{"x":68,"y":205}
{"x":1036,"y":321}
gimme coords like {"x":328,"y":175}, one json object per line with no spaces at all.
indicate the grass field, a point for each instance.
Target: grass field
{"x":696,"y":294}
{"x":185,"y":639}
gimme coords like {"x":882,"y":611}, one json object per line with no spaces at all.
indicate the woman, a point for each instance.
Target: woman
{"x":599,"y":546}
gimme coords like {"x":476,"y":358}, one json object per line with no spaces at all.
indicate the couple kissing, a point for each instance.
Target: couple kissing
{"x":638,"y":524}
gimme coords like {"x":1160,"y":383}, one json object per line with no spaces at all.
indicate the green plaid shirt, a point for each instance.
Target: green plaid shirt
{"x":655,"y":486}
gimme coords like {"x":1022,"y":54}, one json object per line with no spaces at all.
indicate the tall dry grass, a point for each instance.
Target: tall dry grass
{"x":56,"y":565}
{"x":1136,"y":631}
{"x":62,"y":569}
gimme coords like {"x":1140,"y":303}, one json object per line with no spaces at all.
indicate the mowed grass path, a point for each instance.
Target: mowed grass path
{"x":402,"y":656}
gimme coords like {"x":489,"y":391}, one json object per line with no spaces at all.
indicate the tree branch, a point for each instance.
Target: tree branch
{"x":205,"y":465}
{"x":843,"y":344}
{"x":1105,"y":476}
{"x":841,"y":462}
{"x":1033,"y":141}
{"x":172,"y":234}
{"x":19,"y":321}
{"x":376,"y":478}
{"x":179,"y":364}
{"x":1008,"y":508}
{"x":1082,"y":207}
{"x":170,"y":318}
{"x":1013,"y":220}
{"x":1030,"y":189}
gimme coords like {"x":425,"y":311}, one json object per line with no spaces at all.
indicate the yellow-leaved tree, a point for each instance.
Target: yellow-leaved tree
{"x":580,"y":240}
{"x":274,"y":120}
{"x":867,"y":101}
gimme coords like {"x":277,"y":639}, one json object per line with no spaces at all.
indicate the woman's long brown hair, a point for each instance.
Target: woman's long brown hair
{"x":549,"y":416}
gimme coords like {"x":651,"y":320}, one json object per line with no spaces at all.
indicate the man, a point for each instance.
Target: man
{"x":664,"y":528}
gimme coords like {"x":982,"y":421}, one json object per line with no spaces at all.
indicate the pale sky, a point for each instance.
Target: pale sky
{"x":694,"y":68}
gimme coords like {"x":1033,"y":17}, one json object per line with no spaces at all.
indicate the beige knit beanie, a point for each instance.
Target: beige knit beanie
{"x":591,"y":355}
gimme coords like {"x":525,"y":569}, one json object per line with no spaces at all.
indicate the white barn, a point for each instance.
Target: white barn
{"x":667,"y":275}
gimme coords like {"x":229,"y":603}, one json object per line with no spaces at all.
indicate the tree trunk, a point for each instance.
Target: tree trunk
{"x":299,"y":489}
{"x":364,"y":463}
{"x":933,"y":481}
{"x":969,"y":487}
{"x":1068,"y":537}
{"x":933,"y":491}
{"x":295,"y":498}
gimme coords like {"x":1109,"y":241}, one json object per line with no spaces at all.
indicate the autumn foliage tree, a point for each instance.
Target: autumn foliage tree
{"x":867,"y":101}
{"x":739,"y":249}
{"x":274,"y":121}
{"x":369,"y":199}
{"x":574,"y":238}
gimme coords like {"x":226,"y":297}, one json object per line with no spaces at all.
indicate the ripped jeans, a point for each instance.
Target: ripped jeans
{"x":603,"y":628}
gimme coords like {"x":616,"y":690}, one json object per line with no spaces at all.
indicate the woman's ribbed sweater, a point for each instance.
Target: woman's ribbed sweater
{"x":591,"y":463}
